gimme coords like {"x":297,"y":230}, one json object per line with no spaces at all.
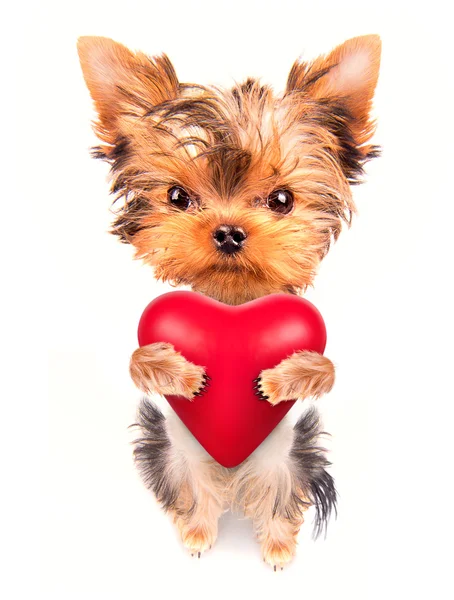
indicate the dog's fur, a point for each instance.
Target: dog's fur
{"x":280,"y":168}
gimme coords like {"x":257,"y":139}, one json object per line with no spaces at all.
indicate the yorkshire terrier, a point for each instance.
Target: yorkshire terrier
{"x":236,"y":193}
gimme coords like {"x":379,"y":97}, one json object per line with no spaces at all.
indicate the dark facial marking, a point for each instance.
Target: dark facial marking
{"x":130,"y":218}
{"x":296,"y":81}
{"x":249,"y":87}
{"x":228,"y":167}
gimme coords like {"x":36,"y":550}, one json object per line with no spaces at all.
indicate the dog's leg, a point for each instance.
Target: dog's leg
{"x":281,"y":479}
{"x":301,"y":375}
{"x":160,"y":368}
{"x":188,"y":483}
{"x":202,"y":500}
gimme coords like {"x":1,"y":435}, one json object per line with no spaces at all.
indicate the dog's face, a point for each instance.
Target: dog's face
{"x":237,"y":193}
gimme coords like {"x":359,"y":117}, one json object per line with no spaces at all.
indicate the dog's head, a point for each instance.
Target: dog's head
{"x":236,"y":192}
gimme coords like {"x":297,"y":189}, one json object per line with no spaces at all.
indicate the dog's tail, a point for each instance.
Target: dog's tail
{"x":309,"y":462}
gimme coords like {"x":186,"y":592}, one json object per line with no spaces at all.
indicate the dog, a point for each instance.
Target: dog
{"x":237,"y":193}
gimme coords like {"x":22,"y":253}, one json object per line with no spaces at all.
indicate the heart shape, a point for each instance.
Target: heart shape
{"x":234,"y":343}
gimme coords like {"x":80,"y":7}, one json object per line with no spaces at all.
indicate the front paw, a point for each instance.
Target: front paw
{"x":267,"y":387}
{"x":302,"y":375}
{"x":160,"y":368}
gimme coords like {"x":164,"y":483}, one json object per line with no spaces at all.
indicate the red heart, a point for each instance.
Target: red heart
{"x":234,"y":343}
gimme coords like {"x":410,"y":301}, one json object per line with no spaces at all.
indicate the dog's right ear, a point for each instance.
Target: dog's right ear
{"x":347,"y":76}
{"x":124,"y":85}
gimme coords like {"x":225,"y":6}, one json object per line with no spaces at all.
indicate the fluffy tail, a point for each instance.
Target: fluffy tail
{"x":309,"y":462}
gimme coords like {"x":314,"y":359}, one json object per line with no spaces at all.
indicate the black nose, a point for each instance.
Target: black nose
{"x":229,"y":238}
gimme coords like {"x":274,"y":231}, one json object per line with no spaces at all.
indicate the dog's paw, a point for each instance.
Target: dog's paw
{"x":160,"y":368}
{"x":191,"y":382}
{"x":202,"y":384}
{"x":278,"y":553}
{"x":268,"y":388}
{"x":301,"y":375}
{"x":197,"y":538}
{"x":258,"y":389}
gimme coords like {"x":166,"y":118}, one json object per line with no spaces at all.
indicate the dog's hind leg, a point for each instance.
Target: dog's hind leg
{"x":281,"y":479}
{"x":187,"y":482}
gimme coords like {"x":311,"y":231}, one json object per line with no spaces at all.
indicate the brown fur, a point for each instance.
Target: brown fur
{"x":230,"y":150}
{"x":198,"y":511}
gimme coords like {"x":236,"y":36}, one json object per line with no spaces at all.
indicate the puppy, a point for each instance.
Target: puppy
{"x":237,"y":193}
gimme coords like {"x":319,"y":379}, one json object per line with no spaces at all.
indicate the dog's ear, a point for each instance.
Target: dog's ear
{"x":124,"y":85}
{"x":347,"y":76}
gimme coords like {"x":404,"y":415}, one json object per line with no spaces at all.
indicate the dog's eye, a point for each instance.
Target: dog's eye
{"x":280,"y":201}
{"x":179,"y":197}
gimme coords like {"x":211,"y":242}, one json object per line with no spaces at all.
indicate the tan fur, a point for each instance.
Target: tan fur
{"x":115,"y":76}
{"x":160,"y":368}
{"x":198,"y":528}
{"x":230,"y":149}
{"x":278,"y":539}
{"x":252,"y":488}
{"x":302,"y":375}
{"x":203,"y":482}
{"x":263,"y":487}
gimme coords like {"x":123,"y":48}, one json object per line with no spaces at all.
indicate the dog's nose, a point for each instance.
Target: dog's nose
{"x":229,"y":238}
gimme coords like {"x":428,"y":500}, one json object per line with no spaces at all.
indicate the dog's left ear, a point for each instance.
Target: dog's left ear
{"x":347,"y":76}
{"x":124,"y":85}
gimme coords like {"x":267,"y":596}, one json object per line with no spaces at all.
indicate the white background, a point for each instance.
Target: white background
{"x":78,"y":522}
